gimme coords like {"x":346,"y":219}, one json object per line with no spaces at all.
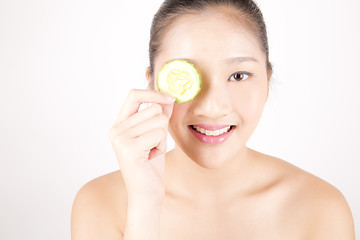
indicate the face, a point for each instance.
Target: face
{"x":234,"y":86}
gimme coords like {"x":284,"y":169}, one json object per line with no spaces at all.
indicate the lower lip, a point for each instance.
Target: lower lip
{"x":212,"y":139}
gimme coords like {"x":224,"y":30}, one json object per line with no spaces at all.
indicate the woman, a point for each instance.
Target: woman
{"x":207,"y":187}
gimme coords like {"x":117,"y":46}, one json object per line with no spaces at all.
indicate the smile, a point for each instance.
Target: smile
{"x":212,"y":134}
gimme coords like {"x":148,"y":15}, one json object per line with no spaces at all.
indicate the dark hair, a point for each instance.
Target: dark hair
{"x":249,"y":13}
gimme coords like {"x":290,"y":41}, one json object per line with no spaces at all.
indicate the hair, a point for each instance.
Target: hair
{"x":247,"y":12}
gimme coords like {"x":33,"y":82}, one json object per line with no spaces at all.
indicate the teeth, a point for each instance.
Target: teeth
{"x":212,"y":133}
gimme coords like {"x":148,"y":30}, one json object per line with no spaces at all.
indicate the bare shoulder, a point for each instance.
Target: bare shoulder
{"x":310,"y":202}
{"x":99,"y":208}
{"x":329,"y":212}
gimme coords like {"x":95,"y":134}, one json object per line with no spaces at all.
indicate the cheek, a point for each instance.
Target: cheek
{"x":154,"y":86}
{"x":178,"y":114}
{"x":249,"y":101}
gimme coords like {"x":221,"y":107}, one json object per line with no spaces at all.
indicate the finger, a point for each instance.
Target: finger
{"x":155,"y":138}
{"x":138,"y":96}
{"x":160,"y":121}
{"x":139,"y":117}
{"x":158,"y":150}
{"x":168,"y":109}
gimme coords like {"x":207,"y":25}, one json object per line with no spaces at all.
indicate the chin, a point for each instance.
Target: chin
{"x":210,"y":163}
{"x":209,"y":157}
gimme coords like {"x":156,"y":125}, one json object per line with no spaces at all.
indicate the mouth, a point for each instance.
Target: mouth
{"x":212,"y":134}
{"x":214,"y":131}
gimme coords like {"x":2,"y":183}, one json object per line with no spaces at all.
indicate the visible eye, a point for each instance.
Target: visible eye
{"x":240,"y":76}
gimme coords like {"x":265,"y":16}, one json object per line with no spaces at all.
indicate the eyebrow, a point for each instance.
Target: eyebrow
{"x":227,"y":60}
{"x":241,"y":59}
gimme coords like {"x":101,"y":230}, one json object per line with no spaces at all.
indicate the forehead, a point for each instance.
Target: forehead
{"x":209,"y":35}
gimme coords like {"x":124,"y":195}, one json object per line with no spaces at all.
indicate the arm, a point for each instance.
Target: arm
{"x":92,"y":216}
{"x":335,"y":220}
{"x":142,"y":221}
{"x":100,"y":209}
{"x":139,"y":142}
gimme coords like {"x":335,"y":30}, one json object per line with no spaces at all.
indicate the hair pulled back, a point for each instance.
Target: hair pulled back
{"x":248,"y":11}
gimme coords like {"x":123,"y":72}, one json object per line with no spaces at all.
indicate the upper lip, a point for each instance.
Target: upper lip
{"x":212,"y":127}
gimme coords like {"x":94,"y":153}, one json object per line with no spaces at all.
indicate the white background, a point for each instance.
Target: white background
{"x":66,"y":67}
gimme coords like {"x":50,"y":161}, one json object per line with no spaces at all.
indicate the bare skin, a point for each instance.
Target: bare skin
{"x":197,"y":190}
{"x":285,"y":203}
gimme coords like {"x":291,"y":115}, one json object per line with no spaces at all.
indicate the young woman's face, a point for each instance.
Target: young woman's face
{"x":234,"y":85}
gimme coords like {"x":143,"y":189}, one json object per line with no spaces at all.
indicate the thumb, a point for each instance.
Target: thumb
{"x":168,"y":109}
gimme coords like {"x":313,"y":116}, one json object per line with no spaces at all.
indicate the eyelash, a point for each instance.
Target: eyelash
{"x":241,"y":73}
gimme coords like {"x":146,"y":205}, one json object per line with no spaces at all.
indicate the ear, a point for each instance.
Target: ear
{"x":269,"y":72}
{"x":269,"y":75}
{"x":148,"y":74}
{"x":149,"y":79}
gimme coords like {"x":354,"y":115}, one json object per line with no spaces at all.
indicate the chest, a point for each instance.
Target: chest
{"x":226,"y":221}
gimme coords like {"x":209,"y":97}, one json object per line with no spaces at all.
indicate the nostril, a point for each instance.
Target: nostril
{"x":210,"y":110}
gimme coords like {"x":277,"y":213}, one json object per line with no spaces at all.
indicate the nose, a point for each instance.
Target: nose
{"x":212,"y":102}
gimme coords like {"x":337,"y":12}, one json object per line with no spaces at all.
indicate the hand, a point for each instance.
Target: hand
{"x":139,"y":141}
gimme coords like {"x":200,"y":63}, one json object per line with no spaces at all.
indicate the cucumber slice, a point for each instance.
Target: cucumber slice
{"x":180,"y":79}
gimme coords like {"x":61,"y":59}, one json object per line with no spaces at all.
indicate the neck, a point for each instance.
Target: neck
{"x":186,"y":178}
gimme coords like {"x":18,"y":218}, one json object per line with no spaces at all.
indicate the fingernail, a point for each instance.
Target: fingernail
{"x":170,"y":98}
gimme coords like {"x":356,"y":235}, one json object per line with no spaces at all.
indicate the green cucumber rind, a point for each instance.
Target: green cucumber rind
{"x":199,"y":81}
